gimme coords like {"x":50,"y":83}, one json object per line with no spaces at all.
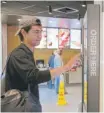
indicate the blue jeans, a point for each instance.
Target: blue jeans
{"x":57,"y":82}
{"x":50,"y":84}
{"x":32,"y":103}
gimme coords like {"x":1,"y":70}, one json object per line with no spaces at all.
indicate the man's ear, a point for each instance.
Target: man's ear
{"x":23,"y":32}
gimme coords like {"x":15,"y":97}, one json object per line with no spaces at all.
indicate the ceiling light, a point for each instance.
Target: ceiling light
{"x":4,"y":2}
{"x":84,"y":4}
{"x":50,"y":9}
{"x":19,"y":20}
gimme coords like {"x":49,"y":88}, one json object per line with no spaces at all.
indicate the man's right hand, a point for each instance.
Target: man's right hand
{"x":59,"y":70}
{"x":70,"y":63}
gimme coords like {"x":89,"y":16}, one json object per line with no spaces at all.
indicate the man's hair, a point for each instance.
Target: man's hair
{"x":27,"y":28}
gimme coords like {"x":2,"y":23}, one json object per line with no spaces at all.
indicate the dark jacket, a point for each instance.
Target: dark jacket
{"x":21,"y":71}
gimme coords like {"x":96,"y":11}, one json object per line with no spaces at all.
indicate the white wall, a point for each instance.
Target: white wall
{"x":4,"y":53}
{"x":102,"y":64}
{"x":101,"y":101}
{"x":76,"y":76}
{"x":4,"y":44}
{"x":101,"y":61}
{"x":0,"y":49}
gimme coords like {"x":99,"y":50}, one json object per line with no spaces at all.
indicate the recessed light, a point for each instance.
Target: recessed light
{"x":50,"y":13}
{"x":83,"y":5}
{"x":19,"y":20}
{"x":4,"y":2}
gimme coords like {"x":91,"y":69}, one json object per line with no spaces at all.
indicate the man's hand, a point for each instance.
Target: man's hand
{"x":59,"y":70}
{"x":71,"y":62}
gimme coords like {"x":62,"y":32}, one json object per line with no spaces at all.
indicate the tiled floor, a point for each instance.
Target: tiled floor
{"x":48,"y":99}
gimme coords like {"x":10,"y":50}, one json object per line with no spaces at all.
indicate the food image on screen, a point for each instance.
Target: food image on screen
{"x":43,"y":40}
{"x":75,"y":39}
{"x":64,"y":38}
{"x":52,"y":38}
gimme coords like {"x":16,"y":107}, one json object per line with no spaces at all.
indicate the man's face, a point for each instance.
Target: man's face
{"x":61,"y":51}
{"x":33,"y":37}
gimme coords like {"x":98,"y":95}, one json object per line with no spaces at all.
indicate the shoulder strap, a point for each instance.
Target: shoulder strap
{"x":5,"y":64}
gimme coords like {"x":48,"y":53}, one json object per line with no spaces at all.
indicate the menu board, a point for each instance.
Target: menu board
{"x":52,"y":38}
{"x":75,"y":39}
{"x":64,"y":38}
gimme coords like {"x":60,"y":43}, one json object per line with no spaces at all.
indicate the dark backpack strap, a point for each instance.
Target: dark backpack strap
{"x":3,"y":77}
{"x":5,"y":65}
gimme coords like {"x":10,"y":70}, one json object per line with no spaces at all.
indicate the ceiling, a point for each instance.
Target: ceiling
{"x":16,"y":9}
{"x":40,"y":8}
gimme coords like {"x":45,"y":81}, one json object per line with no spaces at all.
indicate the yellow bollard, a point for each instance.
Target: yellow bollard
{"x":85,"y":92}
{"x":61,"y":95}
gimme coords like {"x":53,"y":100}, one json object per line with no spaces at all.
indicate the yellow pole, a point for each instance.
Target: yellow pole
{"x":61,"y":95}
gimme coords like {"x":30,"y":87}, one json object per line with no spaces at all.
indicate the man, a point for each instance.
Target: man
{"x":51,"y":66}
{"x":21,"y":71}
{"x":58,"y":62}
